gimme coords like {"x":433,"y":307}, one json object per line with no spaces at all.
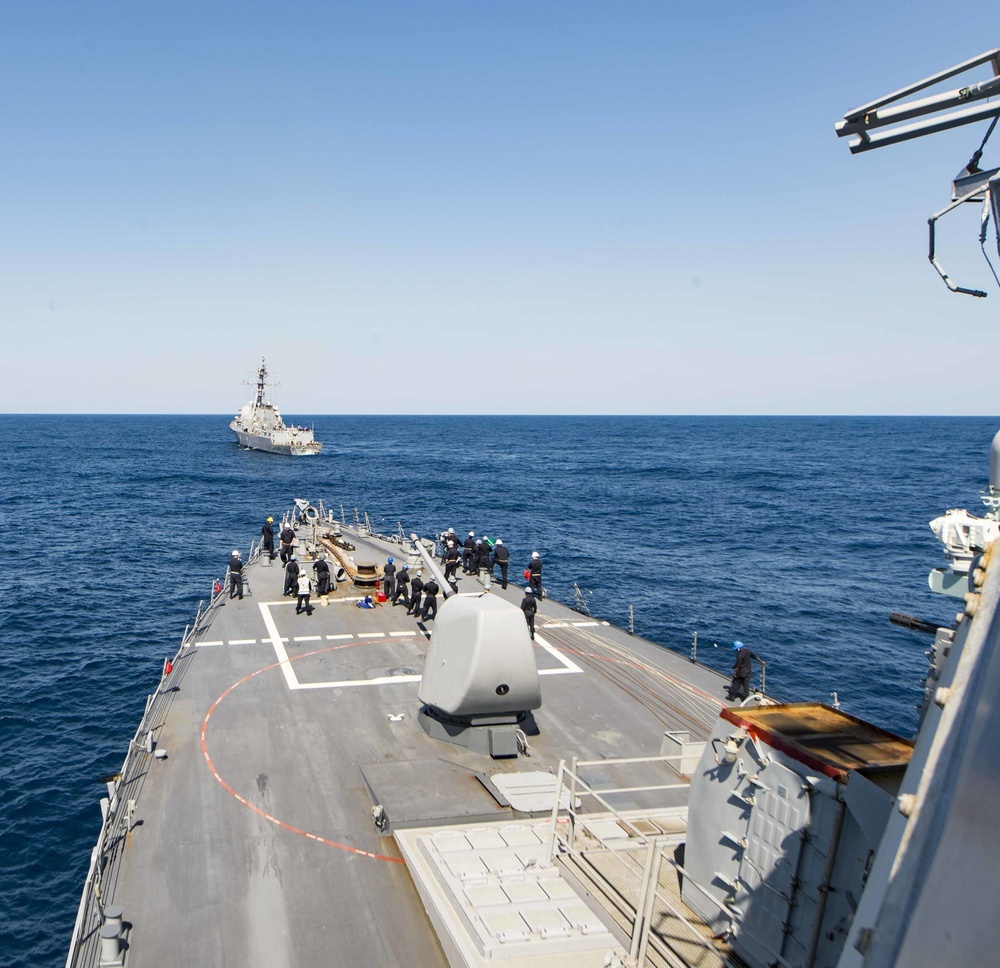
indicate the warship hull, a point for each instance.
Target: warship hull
{"x":272,"y":446}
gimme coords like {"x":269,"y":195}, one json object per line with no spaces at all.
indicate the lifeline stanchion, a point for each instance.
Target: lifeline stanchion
{"x":631,"y":621}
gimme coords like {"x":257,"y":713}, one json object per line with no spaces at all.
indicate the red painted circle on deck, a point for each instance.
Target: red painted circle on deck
{"x":263,"y":813}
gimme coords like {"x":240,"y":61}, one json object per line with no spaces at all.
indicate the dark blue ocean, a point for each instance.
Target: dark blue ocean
{"x":798,"y":535}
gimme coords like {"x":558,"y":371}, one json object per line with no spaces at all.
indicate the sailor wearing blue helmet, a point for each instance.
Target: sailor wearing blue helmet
{"x":389,"y":572}
{"x":739,"y":688}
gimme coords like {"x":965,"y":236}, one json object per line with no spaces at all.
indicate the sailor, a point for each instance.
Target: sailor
{"x":469,"y":554}
{"x":304,"y":587}
{"x":535,"y":575}
{"x":291,"y":574}
{"x":287,"y":541}
{"x":430,"y":600}
{"x":416,"y":584}
{"x":267,"y":538}
{"x":483,"y":551}
{"x":739,"y":688}
{"x":444,"y":538}
{"x":322,"y":569}
{"x":402,"y":585}
{"x":529,"y":606}
{"x":235,"y":574}
{"x":451,"y":557}
{"x":501,"y":557}
{"x":389,"y":578}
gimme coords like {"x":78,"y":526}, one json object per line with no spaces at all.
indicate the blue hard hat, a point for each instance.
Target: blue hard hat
{"x":737,"y":645}
{"x":390,"y":559}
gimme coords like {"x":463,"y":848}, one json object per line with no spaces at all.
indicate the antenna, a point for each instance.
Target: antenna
{"x":863,"y":125}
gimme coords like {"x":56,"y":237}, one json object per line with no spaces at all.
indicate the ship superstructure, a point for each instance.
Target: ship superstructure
{"x":258,"y":425}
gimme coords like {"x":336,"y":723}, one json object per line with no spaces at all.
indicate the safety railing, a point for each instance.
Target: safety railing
{"x":569,"y":779}
{"x":88,"y":942}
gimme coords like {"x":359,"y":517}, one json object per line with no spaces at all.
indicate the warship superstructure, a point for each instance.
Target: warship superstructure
{"x":356,"y":785}
{"x":258,"y":425}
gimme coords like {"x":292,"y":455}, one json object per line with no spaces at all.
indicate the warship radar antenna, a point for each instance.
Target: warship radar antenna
{"x":260,"y":383}
{"x":940,"y":112}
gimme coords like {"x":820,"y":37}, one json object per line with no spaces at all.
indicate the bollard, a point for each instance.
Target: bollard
{"x":113,"y":915}
{"x":111,"y":946}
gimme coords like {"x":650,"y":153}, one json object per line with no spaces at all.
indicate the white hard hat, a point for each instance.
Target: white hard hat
{"x":534,"y":554}
{"x":527,"y":588}
{"x":472,"y":534}
{"x":499,"y":541}
{"x":236,"y":552}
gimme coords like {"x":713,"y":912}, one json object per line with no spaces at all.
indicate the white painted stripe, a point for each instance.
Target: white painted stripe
{"x":568,"y":664}
{"x":400,"y":635}
{"x":200,"y":644}
{"x":371,"y":635}
{"x":390,"y":680}
{"x":308,"y":638}
{"x":344,"y":683}
{"x":581,"y":625}
{"x":242,"y":641}
{"x":332,"y":638}
{"x":279,"y":649}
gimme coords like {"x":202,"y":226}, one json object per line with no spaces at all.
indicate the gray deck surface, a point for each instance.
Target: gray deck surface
{"x":255,"y":843}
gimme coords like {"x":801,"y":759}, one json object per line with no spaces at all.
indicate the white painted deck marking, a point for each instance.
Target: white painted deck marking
{"x":402,"y":635}
{"x":580,"y":625}
{"x":568,"y":664}
{"x":377,"y":681}
{"x":242,"y":641}
{"x":279,"y":649}
{"x":199,"y":645}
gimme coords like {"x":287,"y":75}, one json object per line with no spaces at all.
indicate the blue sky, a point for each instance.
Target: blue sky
{"x":507,"y":207}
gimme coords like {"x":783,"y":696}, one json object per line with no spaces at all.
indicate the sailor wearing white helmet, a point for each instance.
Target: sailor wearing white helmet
{"x":291,"y":575}
{"x":535,"y":575}
{"x":469,"y":553}
{"x":529,"y":606}
{"x":501,"y":557}
{"x":235,"y":574}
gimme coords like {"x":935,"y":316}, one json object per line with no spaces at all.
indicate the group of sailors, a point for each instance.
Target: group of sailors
{"x":297,"y":582}
{"x":399,"y":584}
{"x":477,"y":555}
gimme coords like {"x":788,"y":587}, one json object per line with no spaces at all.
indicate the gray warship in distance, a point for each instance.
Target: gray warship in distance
{"x":258,"y":426}
{"x":358,"y":786}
